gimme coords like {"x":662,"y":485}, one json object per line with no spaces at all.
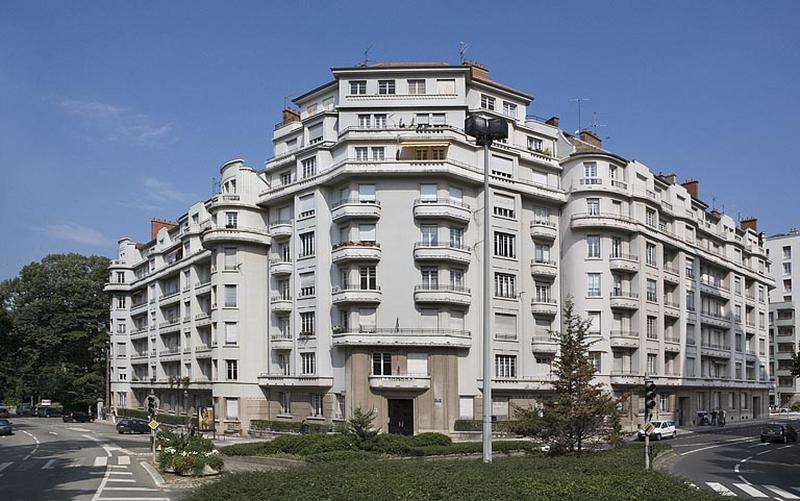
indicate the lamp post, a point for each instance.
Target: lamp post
{"x":485,"y":130}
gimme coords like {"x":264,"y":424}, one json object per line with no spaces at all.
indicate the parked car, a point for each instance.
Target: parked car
{"x":5,"y":427}
{"x":46,"y":411}
{"x":4,"y":414}
{"x":132,"y":426}
{"x":663,"y":429}
{"x":77,"y":417}
{"x":778,"y":432}
{"x":24,"y":410}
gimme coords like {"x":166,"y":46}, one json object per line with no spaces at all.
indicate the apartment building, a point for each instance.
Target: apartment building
{"x":353,"y":260}
{"x":784,"y":251}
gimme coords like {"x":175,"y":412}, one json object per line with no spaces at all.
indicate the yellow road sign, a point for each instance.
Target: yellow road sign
{"x":153,"y":424}
{"x":648,"y":428}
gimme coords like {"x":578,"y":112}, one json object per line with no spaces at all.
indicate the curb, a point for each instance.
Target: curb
{"x":664,"y":457}
{"x":154,"y":474}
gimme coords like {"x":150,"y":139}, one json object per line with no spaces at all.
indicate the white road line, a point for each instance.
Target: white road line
{"x":100,"y":461}
{"x":715,"y":446}
{"x":124,"y":459}
{"x":721,"y":489}
{"x":137,"y":489}
{"x":82,"y":430}
{"x":114,"y":472}
{"x":3,"y":466}
{"x":35,"y":447}
{"x":52,"y":433}
{"x":751,"y":491}
{"x":117,"y":466}
{"x":49,"y":464}
{"x":780,"y":492}
{"x":126,"y":480}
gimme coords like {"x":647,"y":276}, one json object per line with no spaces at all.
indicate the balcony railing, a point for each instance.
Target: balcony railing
{"x":441,"y":245}
{"x":442,"y":201}
{"x":715,"y":346}
{"x":353,"y":201}
{"x":441,"y":287}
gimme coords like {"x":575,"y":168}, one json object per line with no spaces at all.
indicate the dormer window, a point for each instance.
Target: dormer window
{"x":535,"y":144}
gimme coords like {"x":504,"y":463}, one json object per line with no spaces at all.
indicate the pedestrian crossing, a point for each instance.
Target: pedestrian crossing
{"x":765,"y":491}
{"x":8,"y":467}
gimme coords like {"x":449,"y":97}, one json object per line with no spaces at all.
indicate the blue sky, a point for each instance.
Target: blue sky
{"x":115,"y":112}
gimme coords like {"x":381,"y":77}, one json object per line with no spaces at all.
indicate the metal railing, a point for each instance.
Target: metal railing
{"x":441,"y":288}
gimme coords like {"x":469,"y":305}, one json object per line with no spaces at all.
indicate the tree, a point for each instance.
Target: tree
{"x":53,"y":338}
{"x":795,"y":365}
{"x":580,"y":412}
{"x":360,"y":428}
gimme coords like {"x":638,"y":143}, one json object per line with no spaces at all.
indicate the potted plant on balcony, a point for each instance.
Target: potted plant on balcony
{"x":306,"y":334}
{"x":338,"y":329}
{"x":184,"y":381}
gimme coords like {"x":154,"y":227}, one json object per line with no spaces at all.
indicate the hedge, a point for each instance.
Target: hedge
{"x":167,"y":419}
{"x":477,"y":425}
{"x":291,"y":426}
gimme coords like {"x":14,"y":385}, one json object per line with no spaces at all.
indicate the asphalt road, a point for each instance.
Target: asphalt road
{"x":47,"y":459}
{"x":734,"y":462}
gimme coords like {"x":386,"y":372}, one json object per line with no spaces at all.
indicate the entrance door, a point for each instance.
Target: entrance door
{"x":756,"y":407}
{"x":401,"y":416}
{"x":683,"y":409}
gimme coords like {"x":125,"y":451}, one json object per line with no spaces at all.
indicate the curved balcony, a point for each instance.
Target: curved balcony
{"x":402,"y":336}
{"x":355,"y":294}
{"x":543,"y":230}
{"x":281,"y":268}
{"x":281,"y":381}
{"x":116,"y":287}
{"x":244,"y":234}
{"x":448,"y":252}
{"x":544,"y":307}
{"x":280,"y":342}
{"x":544,"y":344}
{"x":624,"y":339}
{"x":405,"y":382}
{"x":442,"y":208}
{"x":714,"y":289}
{"x":623,"y":262}
{"x":345,"y":210}
{"x":542,"y":268}
{"x":281,"y":229}
{"x":365,"y":250}
{"x":626,"y":378}
{"x":715,"y":319}
{"x":442,"y":294}
{"x":624,"y":300}
{"x":603,"y":220}
{"x":281,"y":305}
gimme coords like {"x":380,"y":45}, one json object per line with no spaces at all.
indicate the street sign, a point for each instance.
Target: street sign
{"x":648,"y":428}
{"x":153,"y":424}
{"x":45,"y":402}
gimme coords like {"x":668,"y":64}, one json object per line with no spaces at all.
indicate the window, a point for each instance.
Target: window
{"x":362,"y":153}
{"x":542,"y":294}
{"x":385,"y":86}
{"x":307,"y":323}
{"x":541,"y":253}
{"x":505,"y":366}
{"x":286,"y":177}
{"x":651,"y":363}
{"x":232,"y":370}
{"x":505,"y":285}
{"x":596,"y":358}
{"x":122,"y":374}
{"x":593,"y":206}
{"x":787,"y":252}
{"x":651,"y":328}
{"x":541,"y":215}
{"x":231,"y":333}
{"x":445,"y":86}
{"x":377,"y":154}
{"x":504,"y":206}
{"x":593,"y":284}
{"x":427,"y":193}
{"x":487,"y":102}
{"x":309,"y":167}
{"x":380,"y":121}
{"x":416,"y":86}
{"x":457,"y":279}
{"x":307,"y":244}
{"x":364,"y":121}
{"x":594,"y":318}
{"x":650,"y":254}
{"x":593,"y":245}
{"x":120,"y":277}
{"x":787,"y":268}
{"x":381,"y":364}
{"x":285,"y":402}
{"x":690,"y":300}
{"x":509,"y":109}
{"x":429,"y":234}
{"x":231,"y":219}
{"x":230,"y":296}
{"x":232,"y":409}
{"x":366,"y":193}
{"x":737,"y":286}
{"x":690,"y":267}
{"x":589,"y":169}
{"x":308,"y":363}
{"x":650,"y":218}
{"x":535,"y":144}
{"x":307,"y":285}
{"x":358,"y":86}
{"x":430,"y":277}
{"x":652,"y":291}
{"x":316,"y":404}
{"x":368,"y":279}
{"x":504,"y":245}
{"x":456,"y":237}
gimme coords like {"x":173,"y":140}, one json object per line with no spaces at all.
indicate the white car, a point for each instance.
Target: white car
{"x":663,"y":429}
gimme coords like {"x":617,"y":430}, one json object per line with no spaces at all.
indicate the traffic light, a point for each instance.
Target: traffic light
{"x":649,"y":397}
{"x":151,"y":405}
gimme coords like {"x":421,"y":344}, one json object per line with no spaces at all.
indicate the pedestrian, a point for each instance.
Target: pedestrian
{"x":713,"y":417}
{"x":722,"y":417}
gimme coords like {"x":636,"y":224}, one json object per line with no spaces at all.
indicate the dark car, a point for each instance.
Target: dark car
{"x":77,"y":417}
{"x":46,"y":411}
{"x":5,"y":427}
{"x":132,"y":426}
{"x":778,"y":432}
{"x":4,"y":414}
{"x":24,"y":410}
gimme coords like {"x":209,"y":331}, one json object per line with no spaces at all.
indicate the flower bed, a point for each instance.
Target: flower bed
{"x":188,"y":454}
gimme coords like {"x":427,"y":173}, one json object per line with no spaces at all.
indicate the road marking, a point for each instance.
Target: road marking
{"x":126,"y":480}
{"x":721,"y":489}
{"x":3,"y":466}
{"x":52,"y":433}
{"x":35,"y":447}
{"x":743,"y":440}
{"x":751,"y":491}
{"x":116,"y":466}
{"x":49,"y":465}
{"x":780,"y":492}
{"x":124,"y":459}
{"x":82,"y":430}
{"x":113,"y":472}
{"x":137,"y":489}
{"x":759,"y":445}
{"x":89,"y":437}
{"x":100,"y":461}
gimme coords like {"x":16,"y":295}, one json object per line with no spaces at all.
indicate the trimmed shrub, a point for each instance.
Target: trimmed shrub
{"x":390,"y":443}
{"x":477,"y":425}
{"x":796,"y":406}
{"x":333,"y":456}
{"x":289,"y":426}
{"x":426,"y":439}
{"x":296,"y":445}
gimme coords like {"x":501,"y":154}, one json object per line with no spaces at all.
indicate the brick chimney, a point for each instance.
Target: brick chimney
{"x":479,"y":71}
{"x":552,"y":121}
{"x":591,"y":138}
{"x":290,"y":115}
{"x":693,"y":187}
{"x":749,"y":223}
{"x":157,"y":224}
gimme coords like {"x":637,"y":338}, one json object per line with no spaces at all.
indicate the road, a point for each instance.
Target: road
{"x":47,"y":459}
{"x":734,"y":462}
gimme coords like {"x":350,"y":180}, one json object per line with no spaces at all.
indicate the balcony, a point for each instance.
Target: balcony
{"x":672,"y":344}
{"x":447,"y":252}
{"x":543,"y":230}
{"x":397,"y":336}
{"x":672,"y":309}
{"x":715,"y":319}
{"x":281,"y":304}
{"x":136,"y":307}
{"x":345,"y":210}
{"x":202,"y":351}
{"x":281,"y":342}
{"x":603,"y":220}
{"x":201,"y":288}
{"x":626,"y":378}
{"x":243,"y":234}
{"x":170,"y":354}
{"x":281,"y":268}
{"x":307,"y":381}
{"x":281,"y":229}
{"x":355,"y":294}
{"x":542,"y":268}
{"x":365,"y":250}
{"x":623,"y":262}
{"x":173,"y":325}
{"x":544,"y":344}
{"x":715,"y":350}
{"x":140,"y":333}
{"x":714,"y":288}
{"x":442,"y":209}
{"x":624,"y":300}
{"x":202,"y":319}
{"x":624,"y":339}
{"x":169,"y":298}
{"x":405,"y":382}
{"x":533,"y":383}
{"x":671,"y":275}
{"x":544,"y":306}
{"x":442,"y":294}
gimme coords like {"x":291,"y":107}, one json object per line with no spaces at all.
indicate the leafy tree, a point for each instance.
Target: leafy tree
{"x":580,"y":413}
{"x":360,"y":428}
{"x":795,"y":364}
{"x":53,"y":338}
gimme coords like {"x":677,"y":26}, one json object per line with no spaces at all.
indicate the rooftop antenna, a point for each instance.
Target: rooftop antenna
{"x":286,"y":101}
{"x":462,"y":51}
{"x":214,"y":184}
{"x":579,"y":100}
{"x":596,"y":125}
{"x":366,"y":56}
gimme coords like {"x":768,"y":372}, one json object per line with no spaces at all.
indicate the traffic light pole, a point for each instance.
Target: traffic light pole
{"x":646,"y":451}
{"x":649,"y":405}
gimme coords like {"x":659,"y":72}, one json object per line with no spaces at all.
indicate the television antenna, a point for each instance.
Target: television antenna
{"x":596,"y":125}
{"x":366,"y":55}
{"x":579,"y":100}
{"x":214,"y":184}
{"x":462,"y":51}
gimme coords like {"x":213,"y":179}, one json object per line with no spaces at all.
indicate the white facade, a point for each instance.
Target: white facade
{"x":358,"y":267}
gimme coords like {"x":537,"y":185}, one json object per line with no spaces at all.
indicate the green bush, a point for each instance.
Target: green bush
{"x":390,"y":443}
{"x":796,"y":406}
{"x":333,"y":456}
{"x":477,"y":425}
{"x":296,"y":445}
{"x":426,"y":439}
{"x":289,"y":426}
{"x":186,"y":453}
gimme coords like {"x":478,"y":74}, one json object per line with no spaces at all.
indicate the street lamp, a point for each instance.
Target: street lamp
{"x":485,"y":130}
